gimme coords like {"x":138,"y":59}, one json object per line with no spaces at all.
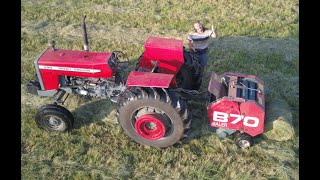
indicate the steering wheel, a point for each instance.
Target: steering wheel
{"x":122,"y":59}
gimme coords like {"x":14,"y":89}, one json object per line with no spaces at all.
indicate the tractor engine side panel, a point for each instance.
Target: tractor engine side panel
{"x":53,"y":64}
{"x":168,"y":53}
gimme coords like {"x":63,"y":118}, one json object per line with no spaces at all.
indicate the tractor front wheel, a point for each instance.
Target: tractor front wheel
{"x":153,"y":116}
{"x":53,"y":117}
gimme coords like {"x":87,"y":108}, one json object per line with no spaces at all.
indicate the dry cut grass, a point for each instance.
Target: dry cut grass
{"x":256,"y":37}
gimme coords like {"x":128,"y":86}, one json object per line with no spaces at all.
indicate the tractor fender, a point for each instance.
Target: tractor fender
{"x":149,"y":79}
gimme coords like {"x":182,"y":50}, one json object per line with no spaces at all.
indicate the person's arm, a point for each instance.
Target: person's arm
{"x":189,"y":42}
{"x":213,"y":33}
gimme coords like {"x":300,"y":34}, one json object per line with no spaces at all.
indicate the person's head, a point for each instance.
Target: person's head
{"x":198,"y":27}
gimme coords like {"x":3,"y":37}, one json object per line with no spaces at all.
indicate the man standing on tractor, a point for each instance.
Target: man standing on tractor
{"x":198,"y":41}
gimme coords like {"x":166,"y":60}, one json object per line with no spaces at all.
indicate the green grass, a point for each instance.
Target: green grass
{"x":255,"y":37}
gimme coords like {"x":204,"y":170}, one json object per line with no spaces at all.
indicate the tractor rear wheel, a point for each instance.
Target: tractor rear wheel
{"x":153,"y":116}
{"x":184,"y":78}
{"x":53,"y":117}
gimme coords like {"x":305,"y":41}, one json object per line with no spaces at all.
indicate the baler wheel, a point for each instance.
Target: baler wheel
{"x":153,"y":116}
{"x":243,"y":140}
{"x":53,"y":117}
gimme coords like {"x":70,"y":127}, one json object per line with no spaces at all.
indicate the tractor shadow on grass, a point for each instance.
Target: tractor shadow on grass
{"x":99,"y":111}
{"x":200,"y":123}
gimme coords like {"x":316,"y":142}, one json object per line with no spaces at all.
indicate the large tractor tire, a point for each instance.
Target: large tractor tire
{"x":198,"y":77}
{"x":153,"y":116}
{"x":184,"y":78}
{"x":189,"y":75}
{"x":54,"y":118}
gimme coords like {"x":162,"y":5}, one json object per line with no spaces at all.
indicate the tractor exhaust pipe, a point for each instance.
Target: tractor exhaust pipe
{"x":85,"y":37}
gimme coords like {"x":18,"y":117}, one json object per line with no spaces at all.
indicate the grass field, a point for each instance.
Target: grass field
{"x":255,"y":37}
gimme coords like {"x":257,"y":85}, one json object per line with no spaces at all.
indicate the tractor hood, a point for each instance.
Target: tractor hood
{"x":52,"y":64}
{"x":72,"y":58}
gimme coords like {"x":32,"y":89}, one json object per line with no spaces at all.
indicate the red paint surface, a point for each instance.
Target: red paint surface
{"x":251,"y":108}
{"x":168,"y":52}
{"x":148,"y":79}
{"x":246,"y":109}
{"x":142,"y":128}
{"x":230,"y":107}
{"x":225,"y":105}
{"x":72,"y":59}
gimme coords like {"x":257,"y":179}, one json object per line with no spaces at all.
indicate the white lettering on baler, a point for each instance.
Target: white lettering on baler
{"x":220,"y":116}
{"x":223,"y":117}
{"x":220,"y":124}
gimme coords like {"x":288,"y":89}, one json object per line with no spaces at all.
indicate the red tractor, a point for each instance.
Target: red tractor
{"x":153,"y":100}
